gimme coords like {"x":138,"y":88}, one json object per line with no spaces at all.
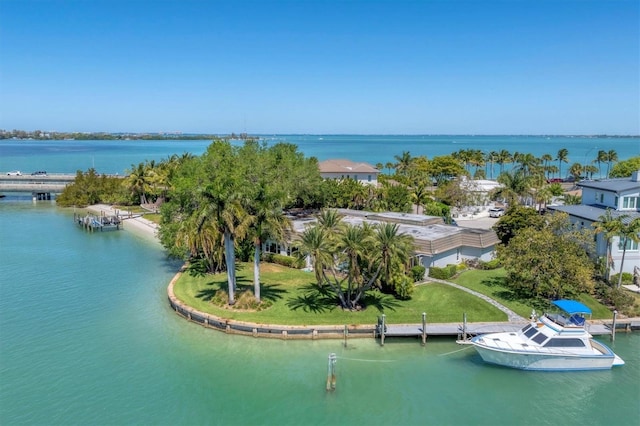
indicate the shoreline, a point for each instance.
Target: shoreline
{"x":148,"y":229}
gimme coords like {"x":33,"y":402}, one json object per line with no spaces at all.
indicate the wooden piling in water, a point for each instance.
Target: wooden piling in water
{"x":613,"y":326}
{"x":424,"y":328}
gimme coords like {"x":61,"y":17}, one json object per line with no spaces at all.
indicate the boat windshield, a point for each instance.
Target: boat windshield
{"x":575,"y":320}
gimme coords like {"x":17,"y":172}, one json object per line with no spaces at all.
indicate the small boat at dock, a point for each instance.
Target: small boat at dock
{"x":554,"y":341}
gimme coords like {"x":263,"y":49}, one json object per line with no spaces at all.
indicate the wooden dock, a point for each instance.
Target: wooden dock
{"x":92,"y":222}
{"x":465,"y":330}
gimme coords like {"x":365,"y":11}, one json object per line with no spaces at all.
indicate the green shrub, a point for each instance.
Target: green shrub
{"x":288,"y":261}
{"x":613,"y":296}
{"x":417,"y":272}
{"x":443,"y":273}
{"x":627,"y":278}
{"x":492,"y":264}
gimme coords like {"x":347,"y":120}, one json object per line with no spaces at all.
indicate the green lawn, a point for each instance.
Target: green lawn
{"x":295,"y":300}
{"x":491,"y":283}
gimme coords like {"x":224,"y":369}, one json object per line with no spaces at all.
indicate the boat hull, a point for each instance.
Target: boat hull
{"x":544,"y":362}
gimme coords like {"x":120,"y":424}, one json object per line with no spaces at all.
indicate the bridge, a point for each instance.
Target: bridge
{"x":40,"y":186}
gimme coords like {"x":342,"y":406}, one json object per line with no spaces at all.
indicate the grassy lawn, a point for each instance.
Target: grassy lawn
{"x":296,"y":300}
{"x":492,"y":284}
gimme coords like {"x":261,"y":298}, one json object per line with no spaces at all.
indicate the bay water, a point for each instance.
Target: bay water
{"x":87,"y":337}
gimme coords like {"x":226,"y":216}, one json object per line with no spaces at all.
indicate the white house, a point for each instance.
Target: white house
{"x":622,"y":197}
{"x":344,"y":169}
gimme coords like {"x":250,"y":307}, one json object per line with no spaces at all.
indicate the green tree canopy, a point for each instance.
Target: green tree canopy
{"x":549,"y":262}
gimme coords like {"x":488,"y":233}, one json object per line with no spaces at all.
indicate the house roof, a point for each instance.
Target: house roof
{"x":346,"y":166}
{"x":431,"y":236}
{"x":593,"y":212}
{"x":613,"y":185}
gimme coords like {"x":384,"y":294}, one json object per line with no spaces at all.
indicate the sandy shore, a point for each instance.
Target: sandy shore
{"x":133,"y":222}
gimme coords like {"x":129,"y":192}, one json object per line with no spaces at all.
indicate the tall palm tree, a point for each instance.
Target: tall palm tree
{"x":612,"y":157}
{"x":608,"y":226}
{"x":546,"y":158}
{"x":629,"y":232}
{"x":314,"y":243}
{"x":267,"y":221}
{"x":602,"y":157}
{"x":504,"y":157}
{"x":562,"y":157}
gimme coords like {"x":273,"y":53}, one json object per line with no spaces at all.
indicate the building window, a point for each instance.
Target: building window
{"x":631,"y":245}
{"x":630,"y":202}
{"x":355,"y":177}
{"x":616,"y":203}
{"x":369,"y":178}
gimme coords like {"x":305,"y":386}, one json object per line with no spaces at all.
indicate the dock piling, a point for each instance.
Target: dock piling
{"x":613,"y":326}
{"x":331,"y":373}
{"x":424,"y":328}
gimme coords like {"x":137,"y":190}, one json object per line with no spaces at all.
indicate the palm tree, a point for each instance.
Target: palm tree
{"x":504,"y":157}
{"x":629,"y":232}
{"x":392,"y":247}
{"x":139,"y":182}
{"x":515,"y":186}
{"x":602,"y":157}
{"x":612,"y":157}
{"x":267,"y":221}
{"x":562,"y":157}
{"x":315,"y":245}
{"x":608,"y":226}
{"x":546,"y":158}
{"x":576,"y":170}
{"x":403,"y":162}
{"x":389,"y":166}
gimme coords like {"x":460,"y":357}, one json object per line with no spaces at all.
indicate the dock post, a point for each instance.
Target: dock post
{"x":346,"y":334}
{"x":613,"y":326}
{"x":424,"y":328}
{"x":464,"y":327}
{"x":331,"y":373}
{"x":382,"y":328}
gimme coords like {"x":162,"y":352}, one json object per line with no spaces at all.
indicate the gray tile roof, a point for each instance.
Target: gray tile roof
{"x":593,"y":212}
{"x":613,"y":185}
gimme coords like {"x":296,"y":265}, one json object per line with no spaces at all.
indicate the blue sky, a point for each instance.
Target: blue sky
{"x":364,"y":67}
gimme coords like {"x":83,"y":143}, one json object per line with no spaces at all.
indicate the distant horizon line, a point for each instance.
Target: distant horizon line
{"x":178,"y":133}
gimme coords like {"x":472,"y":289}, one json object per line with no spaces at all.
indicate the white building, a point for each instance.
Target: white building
{"x":344,"y":169}
{"x":622,"y":197}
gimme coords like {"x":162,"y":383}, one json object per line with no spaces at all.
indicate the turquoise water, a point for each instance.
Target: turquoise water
{"x":118,"y":156}
{"x":87,"y":337}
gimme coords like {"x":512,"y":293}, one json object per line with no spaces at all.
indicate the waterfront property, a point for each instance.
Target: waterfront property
{"x":345,"y":169}
{"x":437,"y":244}
{"x":622,"y":198}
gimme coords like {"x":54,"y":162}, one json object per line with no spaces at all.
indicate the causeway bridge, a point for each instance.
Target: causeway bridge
{"x":41,"y":187}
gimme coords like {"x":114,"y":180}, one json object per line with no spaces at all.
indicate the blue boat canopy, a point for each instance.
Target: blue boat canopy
{"x":572,"y":307}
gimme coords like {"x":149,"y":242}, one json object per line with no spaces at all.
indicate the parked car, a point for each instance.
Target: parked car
{"x":39,"y":173}
{"x":14,"y":173}
{"x":496,"y":212}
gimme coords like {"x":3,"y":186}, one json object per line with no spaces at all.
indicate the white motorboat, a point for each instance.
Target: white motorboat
{"x":554,"y":341}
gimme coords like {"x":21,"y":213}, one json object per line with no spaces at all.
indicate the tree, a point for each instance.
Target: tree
{"x":608,"y":226}
{"x":550,"y":262}
{"x":612,"y":157}
{"x":504,"y":157}
{"x":515,"y":186}
{"x":444,"y":168}
{"x":576,"y":170}
{"x":629,"y":232}
{"x":514,"y":220}
{"x":351,"y":259}
{"x":625,"y":168}
{"x":267,"y":221}
{"x":403,"y":162}
{"x":602,"y":157}
{"x":562,"y":157}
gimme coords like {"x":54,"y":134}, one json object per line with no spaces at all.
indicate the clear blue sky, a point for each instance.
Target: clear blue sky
{"x":366,"y":67}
